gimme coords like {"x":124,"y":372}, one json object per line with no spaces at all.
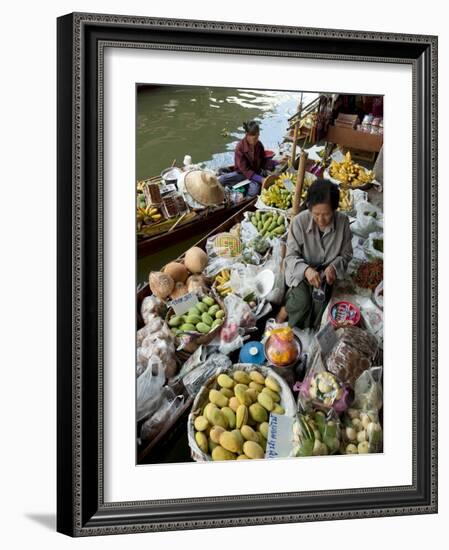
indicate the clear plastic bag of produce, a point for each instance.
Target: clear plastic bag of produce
{"x":149,"y":385}
{"x":362,"y":432}
{"x":276,"y":264}
{"x":368,"y":393}
{"x":151,"y":305}
{"x":195,"y":379}
{"x":374,"y":246}
{"x":373,"y":317}
{"x":316,"y":433}
{"x":352,"y":355}
{"x":282,"y":347}
{"x":369,"y":219}
{"x":168,"y":407}
{"x":239,"y":321}
{"x":321,"y":389}
{"x":379,"y":295}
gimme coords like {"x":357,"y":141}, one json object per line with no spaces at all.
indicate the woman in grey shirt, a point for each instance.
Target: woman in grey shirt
{"x":318,"y":252}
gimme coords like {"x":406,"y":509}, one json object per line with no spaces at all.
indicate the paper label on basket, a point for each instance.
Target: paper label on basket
{"x":327,"y":338}
{"x":169,"y":188}
{"x":289,"y":185}
{"x":280,"y":436}
{"x":184,"y":303}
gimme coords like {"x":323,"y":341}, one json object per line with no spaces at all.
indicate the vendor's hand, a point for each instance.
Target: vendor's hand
{"x":330,"y":274}
{"x":313,"y":277}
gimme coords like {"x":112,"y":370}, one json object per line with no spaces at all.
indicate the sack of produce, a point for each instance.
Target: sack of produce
{"x":368,"y":219}
{"x":167,"y":410}
{"x":374,"y":246}
{"x":316,"y":433}
{"x":223,"y":250}
{"x":321,"y":389}
{"x":368,"y":390}
{"x":362,"y":432}
{"x":240,"y":320}
{"x":230,"y":415}
{"x":352,"y":355}
{"x":149,"y":385}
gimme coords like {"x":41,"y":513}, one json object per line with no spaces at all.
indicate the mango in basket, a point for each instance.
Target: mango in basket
{"x":237,"y":413}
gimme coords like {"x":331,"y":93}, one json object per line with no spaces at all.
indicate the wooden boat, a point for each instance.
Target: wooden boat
{"x":193,"y":223}
{"x":172,"y":432}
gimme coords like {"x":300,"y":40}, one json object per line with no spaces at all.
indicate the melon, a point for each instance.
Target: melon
{"x":161,"y":284}
{"x":195,"y":260}
{"x":179,"y":290}
{"x":196,"y":282}
{"x":177,"y":272}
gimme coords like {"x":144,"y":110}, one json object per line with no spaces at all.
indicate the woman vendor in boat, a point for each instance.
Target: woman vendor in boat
{"x":318,"y":252}
{"x":249,"y":161}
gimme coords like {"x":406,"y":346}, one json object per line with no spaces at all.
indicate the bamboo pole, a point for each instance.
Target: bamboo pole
{"x":295,"y":142}
{"x":299,"y":182}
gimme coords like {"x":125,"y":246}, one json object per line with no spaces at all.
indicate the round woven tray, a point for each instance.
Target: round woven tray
{"x":287,"y":401}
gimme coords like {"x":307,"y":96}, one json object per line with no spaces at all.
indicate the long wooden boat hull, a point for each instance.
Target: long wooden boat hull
{"x":171,"y":434}
{"x":156,"y":243}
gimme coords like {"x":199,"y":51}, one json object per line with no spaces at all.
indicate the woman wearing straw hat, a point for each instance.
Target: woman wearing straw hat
{"x":249,"y":161}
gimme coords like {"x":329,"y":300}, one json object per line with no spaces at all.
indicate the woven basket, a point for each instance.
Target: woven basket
{"x":287,"y":401}
{"x":198,"y":337}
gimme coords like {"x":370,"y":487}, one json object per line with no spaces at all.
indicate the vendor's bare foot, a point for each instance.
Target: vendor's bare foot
{"x":282,"y":316}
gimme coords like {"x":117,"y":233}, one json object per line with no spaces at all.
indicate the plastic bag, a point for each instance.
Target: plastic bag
{"x":281,"y":346}
{"x":195,"y":379}
{"x":239,"y":320}
{"x":368,"y":219}
{"x":374,"y":246}
{"x":168,"y":407}
{"x":373,"y":318}
{"x":362,"y":432}
{"x":352,"y":355}
{"x":368,"y":394}
{"x":379,"y":295}
{"x":151,"y":305}
{"x":276,"y":264}
{"x":149,"y":385}
{"x":320,"y":388}
{"x":317,"y":433}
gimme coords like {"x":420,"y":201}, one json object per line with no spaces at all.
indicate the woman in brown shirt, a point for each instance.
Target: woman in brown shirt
{"x":318,"y":252}
{"x":249,"y":161}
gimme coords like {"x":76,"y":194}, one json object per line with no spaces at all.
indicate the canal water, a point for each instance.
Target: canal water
{"x":205,"y":123}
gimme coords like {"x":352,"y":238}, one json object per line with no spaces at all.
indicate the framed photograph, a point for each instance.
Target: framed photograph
{"x":247,"y":274}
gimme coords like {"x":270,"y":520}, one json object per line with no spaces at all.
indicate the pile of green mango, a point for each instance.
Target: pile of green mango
{"x":268,"y":224}
{"x":205,"y":316}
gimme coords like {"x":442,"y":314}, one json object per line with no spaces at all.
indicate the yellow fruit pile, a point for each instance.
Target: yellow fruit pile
{"x":277,"y":195}
{"x":148,"y":215}
{"x":233,"y":424}
{"x":221,"y":282}
{"x":349,"y":173}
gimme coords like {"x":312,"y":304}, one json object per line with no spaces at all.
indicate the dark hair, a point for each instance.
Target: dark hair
{"x":251,"y":127}
{"x":323,"y":191}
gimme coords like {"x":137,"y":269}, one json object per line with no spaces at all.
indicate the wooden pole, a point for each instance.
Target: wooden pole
{"x":295,"y":141}
{"x":299,"y":182}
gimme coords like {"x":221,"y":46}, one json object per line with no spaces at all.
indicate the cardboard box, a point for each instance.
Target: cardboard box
{"x":354,"y":139}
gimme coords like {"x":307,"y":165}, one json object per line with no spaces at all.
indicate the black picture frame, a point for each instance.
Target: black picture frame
{"x":81,"y":510}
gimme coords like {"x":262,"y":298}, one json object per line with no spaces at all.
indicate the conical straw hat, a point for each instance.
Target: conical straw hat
{"x":204,"y":187}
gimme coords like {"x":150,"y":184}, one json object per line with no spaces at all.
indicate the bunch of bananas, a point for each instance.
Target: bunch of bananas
{"x":222,"y":283}
{"x":148,"y":215}
{"x":278,"y":195}
{"x":345,"y":204}
{"x":350,"y":173}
